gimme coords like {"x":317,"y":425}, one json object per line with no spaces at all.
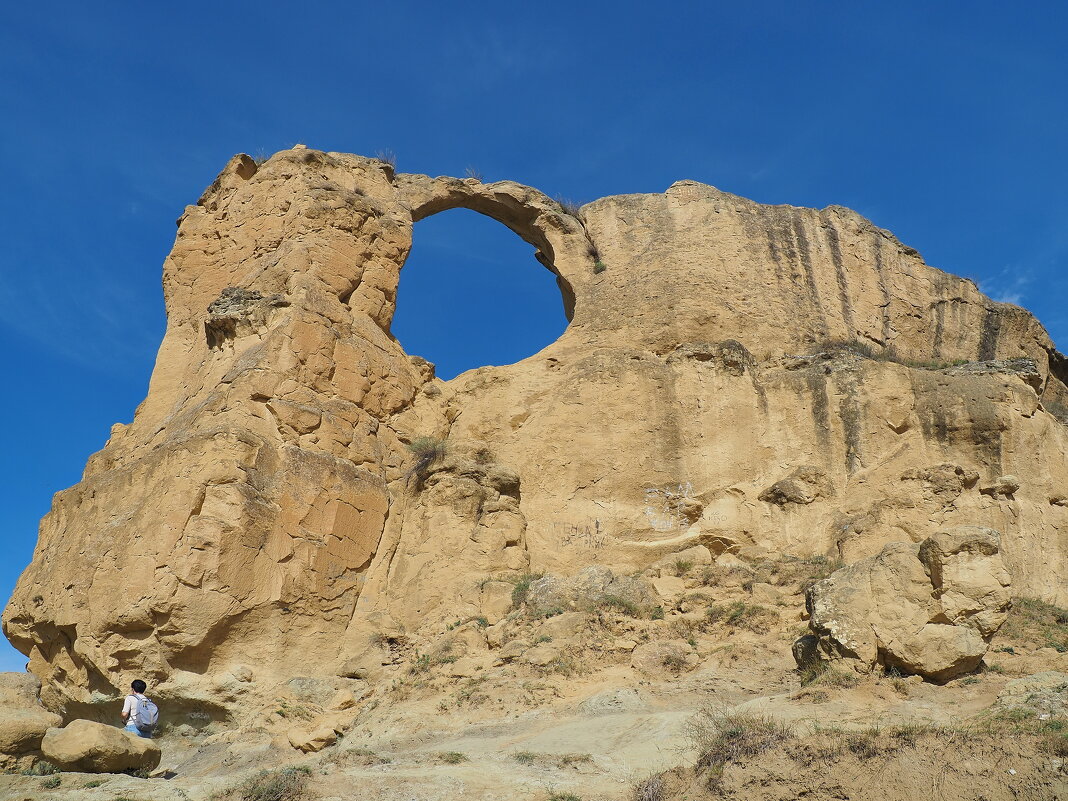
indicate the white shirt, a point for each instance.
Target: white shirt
{"x":131,"y":706}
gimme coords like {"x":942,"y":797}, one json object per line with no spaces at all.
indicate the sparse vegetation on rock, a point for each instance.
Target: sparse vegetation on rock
{"x":285,"y":784}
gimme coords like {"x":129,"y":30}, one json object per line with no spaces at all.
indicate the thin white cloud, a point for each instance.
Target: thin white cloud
{"x":1009,"y":285}
{"x":10,"y":659}
{"x":100,"y":324}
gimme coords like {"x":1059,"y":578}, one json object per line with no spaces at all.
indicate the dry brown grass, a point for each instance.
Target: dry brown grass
{"x":742,"y":615}
{"x":826,"y":676}
{"x":1052,"y":733}
{"x":721,"y":739}
{"x":650,"y":789}
{"x":287,"y":784}
{"x":1035,"y":622}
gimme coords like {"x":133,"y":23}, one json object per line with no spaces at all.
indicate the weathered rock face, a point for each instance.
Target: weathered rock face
{"x":259,"y":512}
{"x":23,"y":721}
{"x":590,"y":589}
{"x":928,"y":609}
{"x":90,"y":747}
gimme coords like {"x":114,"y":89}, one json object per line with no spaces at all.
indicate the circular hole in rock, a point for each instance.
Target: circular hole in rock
{"x":472,"y":294}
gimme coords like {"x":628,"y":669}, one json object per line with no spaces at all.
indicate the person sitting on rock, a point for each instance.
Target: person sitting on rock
{"x":139,"y":714}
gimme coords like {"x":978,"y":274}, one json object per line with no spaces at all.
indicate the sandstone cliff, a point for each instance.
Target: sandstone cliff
{"x":739,"y":376}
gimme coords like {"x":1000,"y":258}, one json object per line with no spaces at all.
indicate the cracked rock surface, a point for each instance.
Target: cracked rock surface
{"x":258,"y":519}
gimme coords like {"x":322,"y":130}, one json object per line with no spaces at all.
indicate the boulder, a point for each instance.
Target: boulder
{"x":804,"y":485}
{"x":496,"y":600}
{"x":669,"y":587}
{"x":541,"y":655}
{"x":23,"y":721}
{"x":622,"y":699}
{"x":512,"y":650}
{"x":943,"y":482}
{"x":1003,"y":486}
{"x":310,"y":741}
{"x":806,"y":651}
{"x":927,"y":609}
{"x":563,"y":627}
{"x":90,"y":747}
{"x":343,"y":699}
{"x":311,"y":690}
{"x":464,"y":668}
{"x":969,"y":578}
{"x":764,"y":593}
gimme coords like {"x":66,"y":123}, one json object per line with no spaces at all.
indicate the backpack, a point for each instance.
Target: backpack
{"x":147,"y":715}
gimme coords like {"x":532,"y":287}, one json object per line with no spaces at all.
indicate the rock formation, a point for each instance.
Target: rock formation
{"x":23,"y":721}
{"x":928,"y":609}
{"x":262,"y":516}
{"x":90,"y":747}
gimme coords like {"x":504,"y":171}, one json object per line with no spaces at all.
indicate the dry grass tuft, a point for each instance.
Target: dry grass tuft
{"x":286,"y":784}
{"x":823,"y":675}
{"x":522,"y":587}
{"x":556,"y":760}
{"x":682,"y":566}
{"x":740,"y":615}
{"x":650,"y":789}
{"x":1037,"y":623}
{"x":427,"y":451}
{"x":567,"y":205}
{"x":721,"y":739}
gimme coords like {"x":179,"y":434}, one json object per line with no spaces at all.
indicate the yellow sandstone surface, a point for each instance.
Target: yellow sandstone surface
{"x":745,"y":379}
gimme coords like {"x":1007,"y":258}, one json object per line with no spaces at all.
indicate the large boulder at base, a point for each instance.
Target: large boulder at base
{"x":91,"y":747}
{"x":928,"y":609}
{"x":23,"y":721}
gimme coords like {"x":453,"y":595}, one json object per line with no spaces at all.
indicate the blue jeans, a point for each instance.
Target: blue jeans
{"x":132,"y":727}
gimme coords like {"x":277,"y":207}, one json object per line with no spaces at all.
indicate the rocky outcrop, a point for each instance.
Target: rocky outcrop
{"x":89,"y":747}
{"x":804,"y":485}
{"x":23,"y":721}
{"x":927,"y":609}
{"x":263,"y":500}
{"x":589,"y":590}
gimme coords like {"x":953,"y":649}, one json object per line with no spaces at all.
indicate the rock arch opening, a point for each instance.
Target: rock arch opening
{"x":472,"y":294}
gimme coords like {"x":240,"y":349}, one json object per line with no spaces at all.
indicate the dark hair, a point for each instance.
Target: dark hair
{"x":139,"y":686}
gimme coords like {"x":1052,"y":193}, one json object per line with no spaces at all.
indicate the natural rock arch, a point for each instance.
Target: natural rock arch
{"x":469,"y":295}
{"x":559,"y":239}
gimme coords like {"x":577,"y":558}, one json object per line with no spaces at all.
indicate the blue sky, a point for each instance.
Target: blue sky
{"x":944,"y":122}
